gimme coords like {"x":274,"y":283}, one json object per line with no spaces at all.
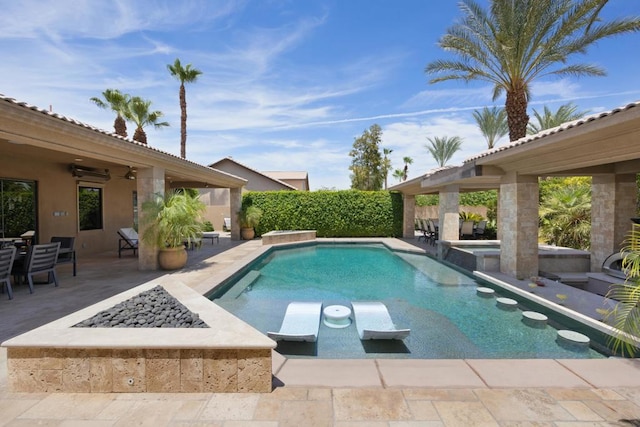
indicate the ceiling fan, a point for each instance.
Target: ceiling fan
{"x":131,"y":174}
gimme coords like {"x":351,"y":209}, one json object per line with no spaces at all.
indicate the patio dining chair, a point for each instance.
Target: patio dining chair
{"x":7,"y":256}
{"x":433,"y":227}
{"x":67,"y":254}
{"x":421,"y":226}
{"x":466,"y":230}
{"x":40,"y":259}
{"x":478,"y":232}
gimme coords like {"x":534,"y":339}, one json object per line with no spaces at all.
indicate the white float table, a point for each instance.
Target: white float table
{"x":337,"y":316}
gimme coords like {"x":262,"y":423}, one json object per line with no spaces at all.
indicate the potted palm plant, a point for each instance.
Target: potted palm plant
{"x":249,"y":219}
{"x":171,"y":220}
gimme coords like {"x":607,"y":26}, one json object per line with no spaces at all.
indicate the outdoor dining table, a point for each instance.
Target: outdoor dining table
{"x":18,"y":262}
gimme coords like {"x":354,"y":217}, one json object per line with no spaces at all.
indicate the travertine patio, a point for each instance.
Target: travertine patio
{"x":321,"y":392}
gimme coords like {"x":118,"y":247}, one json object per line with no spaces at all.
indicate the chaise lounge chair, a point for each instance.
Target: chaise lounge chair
{"x":128,"y":241}
{"x":374,"y":323}
{"x":301,"y":322}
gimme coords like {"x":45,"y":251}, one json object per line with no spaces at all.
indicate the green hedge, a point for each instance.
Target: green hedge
{"x":349,"y":213}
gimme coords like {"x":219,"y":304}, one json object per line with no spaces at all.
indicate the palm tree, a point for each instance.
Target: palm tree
{"x":549,"y":119}
{"x":492,"y":123}
{"x":443,"y":148}
{"x":626,"y":314}
{"x":184,"y":75}
{"x":565,"y":217}
{"x":139,"y":113}
{"x":407,"y":161}
{"x":386,"y":165}
{"x":117,"y":102}
{"x":399,"y":175}
{"x":518,"y":41}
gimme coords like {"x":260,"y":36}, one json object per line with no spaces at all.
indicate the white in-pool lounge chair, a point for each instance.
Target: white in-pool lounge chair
{"x":301,"y":322}
{"x":374,"y":323}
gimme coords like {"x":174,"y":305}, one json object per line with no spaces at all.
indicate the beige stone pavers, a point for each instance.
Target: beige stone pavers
{"x":322,"y":407}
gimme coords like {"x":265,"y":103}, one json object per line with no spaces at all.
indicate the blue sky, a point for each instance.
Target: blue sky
{"x":286,"y":85}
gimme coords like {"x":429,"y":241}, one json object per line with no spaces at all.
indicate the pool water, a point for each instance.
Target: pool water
{"x":439,"y":304}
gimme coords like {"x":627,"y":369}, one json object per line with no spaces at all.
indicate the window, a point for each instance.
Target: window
{"x":17,"y":207}
{"x":90,"y":207}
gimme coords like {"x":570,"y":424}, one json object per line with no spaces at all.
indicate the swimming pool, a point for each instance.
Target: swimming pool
{"x":439,"y":304}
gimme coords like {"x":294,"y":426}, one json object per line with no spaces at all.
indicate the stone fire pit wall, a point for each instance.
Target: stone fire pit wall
{"x":227,"y":357}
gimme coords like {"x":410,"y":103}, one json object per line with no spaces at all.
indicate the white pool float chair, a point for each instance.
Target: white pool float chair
{"x":301,"y":322}
{"x":374,"y":323}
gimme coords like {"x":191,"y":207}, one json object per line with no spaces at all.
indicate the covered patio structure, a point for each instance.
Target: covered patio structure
{"x":58,"y":157}
{"x":604,"y":146}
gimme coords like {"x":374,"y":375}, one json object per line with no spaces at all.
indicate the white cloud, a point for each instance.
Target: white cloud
{"x":63,"y":19}
{"x":451,"y":96}
{"x":409,"y":138}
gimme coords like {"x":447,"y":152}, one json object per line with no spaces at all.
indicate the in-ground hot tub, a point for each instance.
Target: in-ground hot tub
{"x":287,"y":236}
{"x":484,"y":255}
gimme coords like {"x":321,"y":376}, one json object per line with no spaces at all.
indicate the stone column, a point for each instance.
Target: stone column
{"x":498,"y":220}
{"x":149,"y":182}
{"x":449,"y":213}
{"x":518,"y":213}
{"x":408,"y":216}
{"x":235,"y":203}
{"x":613,"y":204}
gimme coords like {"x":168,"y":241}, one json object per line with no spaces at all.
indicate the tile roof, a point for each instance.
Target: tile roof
{"x":231,"y":159}
{"x":547,"y":132}
{"x":87,"y":126}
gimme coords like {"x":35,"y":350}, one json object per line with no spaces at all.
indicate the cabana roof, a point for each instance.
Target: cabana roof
{"x":603,"y":143}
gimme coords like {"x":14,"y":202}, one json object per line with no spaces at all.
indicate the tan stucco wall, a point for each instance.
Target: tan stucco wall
{"x":218,"y":200}
{"x":57,"y":192}
{"x":217,"y":205}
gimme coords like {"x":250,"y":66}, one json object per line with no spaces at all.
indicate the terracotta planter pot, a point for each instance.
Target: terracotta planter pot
{"x":247,"y":233}
{"x":172,"y":258}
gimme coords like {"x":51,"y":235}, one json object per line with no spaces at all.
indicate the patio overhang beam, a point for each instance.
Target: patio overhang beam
{"x":192,"y":184}
{"x":467,"y":177}
{"x":627,"y":167}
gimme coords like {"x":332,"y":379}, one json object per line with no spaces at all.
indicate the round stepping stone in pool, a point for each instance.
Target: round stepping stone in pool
{"x":534,"y":319}
{"x":485,"y":292}
{"x":507,"y":303}
{"x":572,"y":339}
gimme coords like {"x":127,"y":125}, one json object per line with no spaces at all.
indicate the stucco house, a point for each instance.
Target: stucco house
{"x":218,"y":199}
{"x":61,"y":177}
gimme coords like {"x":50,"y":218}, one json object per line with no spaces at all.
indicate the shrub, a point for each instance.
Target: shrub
{"x":349,"y":213}
{"x":470,"y":216}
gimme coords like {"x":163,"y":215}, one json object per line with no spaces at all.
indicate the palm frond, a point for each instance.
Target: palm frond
{"x":626,"y":314}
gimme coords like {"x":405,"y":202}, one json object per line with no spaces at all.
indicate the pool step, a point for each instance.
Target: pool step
{"x":242,"y":284}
